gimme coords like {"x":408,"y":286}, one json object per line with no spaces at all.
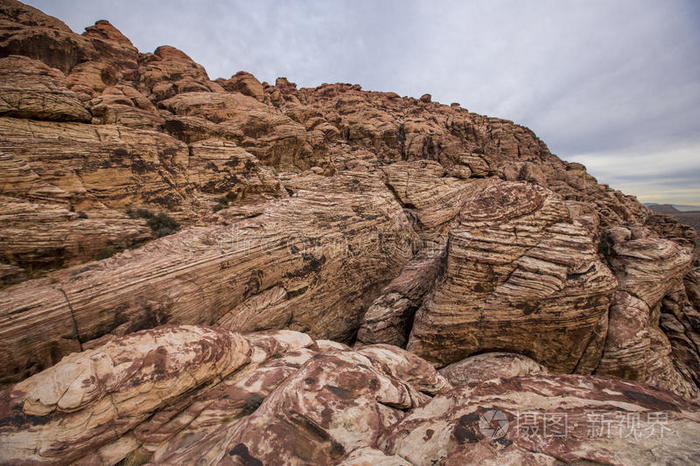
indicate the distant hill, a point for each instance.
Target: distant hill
{"x":689,"y":217}
{"x":676,"y":207}
{"x":663,"y":208}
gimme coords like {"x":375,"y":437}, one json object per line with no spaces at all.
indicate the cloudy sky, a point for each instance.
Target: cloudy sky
{"x":614,"y":84}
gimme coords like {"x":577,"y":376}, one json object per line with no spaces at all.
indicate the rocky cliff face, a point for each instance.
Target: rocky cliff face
{"x":160,"y":229}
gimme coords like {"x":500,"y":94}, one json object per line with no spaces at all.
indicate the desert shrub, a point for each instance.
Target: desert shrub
{"x":221,"y":203}
{"x":105,"y":252}
{"x":251,"y":404}
{"x":161,"y":224}
{"x":139,"y":213}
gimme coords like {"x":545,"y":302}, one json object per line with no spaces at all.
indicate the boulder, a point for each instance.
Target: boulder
{"x":245,"y":83}
{"x":521,"y":276}
{"x":477,"y":369}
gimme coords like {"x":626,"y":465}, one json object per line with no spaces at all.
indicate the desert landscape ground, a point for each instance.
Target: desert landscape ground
{"x":238,"y":272}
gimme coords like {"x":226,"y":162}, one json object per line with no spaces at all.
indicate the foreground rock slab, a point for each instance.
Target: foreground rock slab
{"x":206,"y":395}
{"x":549,"y":419}
{"x":186,"y":394}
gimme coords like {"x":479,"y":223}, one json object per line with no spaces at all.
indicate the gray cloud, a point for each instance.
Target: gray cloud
{"x":614,"y":84}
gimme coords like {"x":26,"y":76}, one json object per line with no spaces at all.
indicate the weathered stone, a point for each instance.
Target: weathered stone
{"x":306,"y":245}
{"x":520,"y":277}
{"x":93,"y":397}
{"x":184,"y":393}
{"x":389,"y":318}
{"x":546,"y":419}
{"x":30,"y":89}
{"x":648,"y":268}
{"x":245,"y":83}
{"x":169,"y":71}
{"x":360,"y":216}
{"x":486,"y":366}
{"x":35,"y":236}
{"x":126,"y":106}
{"x":336,"y":403}
{"x":91,"y":166}
{"x":27,"y":31}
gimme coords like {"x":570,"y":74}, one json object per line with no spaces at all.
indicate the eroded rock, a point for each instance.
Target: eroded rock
{"x":185,"y":393}
{"x":300,"y":248}
{"x":486,"y":366}
{"x":545,"y":419}
{"x":521,"y":276}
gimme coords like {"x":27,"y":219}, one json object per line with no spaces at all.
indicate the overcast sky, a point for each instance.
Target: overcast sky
{"x":613,"y":84}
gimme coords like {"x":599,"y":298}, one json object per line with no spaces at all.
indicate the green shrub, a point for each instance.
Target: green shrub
{"x":105,"y":252}
{"x":222,"y":203}
{"x":161,"y":224}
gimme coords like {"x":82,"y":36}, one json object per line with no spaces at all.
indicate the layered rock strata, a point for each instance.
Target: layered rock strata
{"x":360,"y":216}
{"x":279,"y":268}
{"x":185,"y":394}
{"x":521,"y":275}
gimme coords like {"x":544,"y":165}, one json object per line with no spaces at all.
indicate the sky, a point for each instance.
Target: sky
{"x":613,"y":84}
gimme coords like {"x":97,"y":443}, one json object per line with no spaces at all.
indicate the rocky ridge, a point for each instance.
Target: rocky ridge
{"x":373,"y":220}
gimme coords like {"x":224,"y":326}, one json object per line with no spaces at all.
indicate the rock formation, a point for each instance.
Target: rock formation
{"x":229,"y":271}
{"x":186,"y":394}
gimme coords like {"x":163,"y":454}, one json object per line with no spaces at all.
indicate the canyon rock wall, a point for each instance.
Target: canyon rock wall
{"x":156,"y":223}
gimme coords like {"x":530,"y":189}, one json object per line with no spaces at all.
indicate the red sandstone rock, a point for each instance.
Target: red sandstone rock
{"x":359,"y":216}
{"x":277,"y":269}
{"x":546,"y":419}
{"x":649,"y":268}
{"x":181,"y":394}
{"x":486,"y":366}
{"x":245,"y":83}
{"x":30,"y":89}
{"x":520,"y":276}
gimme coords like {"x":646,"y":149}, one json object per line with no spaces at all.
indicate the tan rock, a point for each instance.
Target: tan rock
{"x":649,"y":268}
{"x":359,"y":216}
{"x":486,"y":366}
{"x":215,"y":107}
{"x":36,"y":236}
{"x":169,"y":71}
{"x":217,"y":167}
{"x":30,"y":89}
{"x":390,"y":317}
{"x":92,"y":166}
{"x":423,"y":187}
{"x":245,"y":83}
{"x":519,"y":277}
{"x":124,"y":105}
{"x":306,"y":244}
{"x":29,"y":32}
{"x":180,"y":394}
{"x":336,"y":403}
{"x":94,"y":397}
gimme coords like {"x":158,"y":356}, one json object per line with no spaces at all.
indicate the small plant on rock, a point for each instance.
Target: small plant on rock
{"x":161,"y":224}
